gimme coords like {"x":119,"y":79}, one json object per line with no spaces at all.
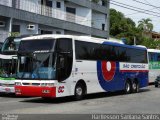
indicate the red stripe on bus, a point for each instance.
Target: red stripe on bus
{"x":134,"y":70}
{"x":35,"y":91}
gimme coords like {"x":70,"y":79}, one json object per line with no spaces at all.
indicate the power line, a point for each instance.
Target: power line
{"x":137,"y":12}
{"x":133,"y":9}
{"x":148,"y":4}
{"x":152,"y":5}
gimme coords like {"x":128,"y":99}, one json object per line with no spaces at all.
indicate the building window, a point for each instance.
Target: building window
{"x":103,"y":3}
{"x":103,"y":26}
{"x":46,"y":32}
{"x":16,"y":28}
{"x":58,"y":4}
{"x":58,"y":32}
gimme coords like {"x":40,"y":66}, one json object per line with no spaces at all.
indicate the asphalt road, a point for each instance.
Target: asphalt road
{"x":147,"y":101}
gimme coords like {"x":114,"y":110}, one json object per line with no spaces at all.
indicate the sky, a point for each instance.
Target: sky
{"x":136,"y":16}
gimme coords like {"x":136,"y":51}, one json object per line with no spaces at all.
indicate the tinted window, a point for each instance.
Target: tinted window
{"x":86,"y":50}
{"x":93,"y":51}
{"x":154,"y":56}
{"x":137,"y":56}
{"x":35,"y":45}
{"x":64,"y":45}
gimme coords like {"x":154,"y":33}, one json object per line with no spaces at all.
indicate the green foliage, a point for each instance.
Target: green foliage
{"x":122,"y":27}
{"x":14,"y":34}
{"x":145,"y":25}
{"x":151,"y":43}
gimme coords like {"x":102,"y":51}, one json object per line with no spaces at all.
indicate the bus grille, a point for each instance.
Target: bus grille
{"x":34,"y":84}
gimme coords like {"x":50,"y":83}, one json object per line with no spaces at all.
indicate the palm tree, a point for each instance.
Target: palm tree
{"x":145,"y":25}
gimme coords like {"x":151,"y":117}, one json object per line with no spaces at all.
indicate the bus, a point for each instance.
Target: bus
{"x":51,"y":66}
{"x":154,"y":64}
{"x":8,"y":63}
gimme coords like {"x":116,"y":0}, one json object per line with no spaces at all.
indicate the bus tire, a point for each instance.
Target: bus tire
{"x":79,"y":91}
{"x":156,"y":85}
{"x":135,"y":87}
{"x":127,"y":88}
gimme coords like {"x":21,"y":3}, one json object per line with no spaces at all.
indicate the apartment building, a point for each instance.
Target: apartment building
{"x":76,"y":17}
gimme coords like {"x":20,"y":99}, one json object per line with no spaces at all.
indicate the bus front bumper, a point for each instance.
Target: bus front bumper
{"x":5,"y":89}
{"x":35,"y":91}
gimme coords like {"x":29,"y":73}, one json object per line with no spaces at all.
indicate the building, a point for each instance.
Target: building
{"x":153,"y":35}
{"x":77,"y":17}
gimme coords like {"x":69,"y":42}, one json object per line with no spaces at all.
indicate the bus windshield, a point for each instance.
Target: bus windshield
{"x":7,"y":68}
{"x":11,"y":44}
{"x":36,"y":61}
{"x":36,"y":66}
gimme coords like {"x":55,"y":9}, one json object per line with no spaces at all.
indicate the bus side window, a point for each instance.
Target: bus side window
{"x":65,"y":58}
{"x":158,"y":58}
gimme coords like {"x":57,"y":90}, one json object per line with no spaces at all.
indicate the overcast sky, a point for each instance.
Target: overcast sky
{"x":136,"y":16}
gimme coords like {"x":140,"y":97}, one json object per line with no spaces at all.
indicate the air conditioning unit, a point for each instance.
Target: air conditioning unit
{"x":2,"y":24}
{"x":30,"y":27}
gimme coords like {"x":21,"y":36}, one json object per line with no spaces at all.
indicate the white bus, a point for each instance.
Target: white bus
{"x":64,"y":65}
{"x":154,"y":64}
{"x":8,"y":63}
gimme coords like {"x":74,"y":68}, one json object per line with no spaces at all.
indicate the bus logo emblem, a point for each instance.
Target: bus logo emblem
{"x":61,"y":89}
{"x":108,"y":70}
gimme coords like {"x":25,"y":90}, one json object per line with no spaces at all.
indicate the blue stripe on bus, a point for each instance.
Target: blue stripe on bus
{"x":124,"y":45}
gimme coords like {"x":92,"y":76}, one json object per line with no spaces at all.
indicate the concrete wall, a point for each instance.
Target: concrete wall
{"x":58,"y":12}
{"x":3,"y":35}
{"x":48,"y":28}
{"x":83,"y":14}
{"x":23,"y":27}
{"x":6,"y":2}
{"x":86,"y":13}
{"x":98,"y":19}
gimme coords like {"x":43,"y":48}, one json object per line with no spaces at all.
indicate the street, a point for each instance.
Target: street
{"x":147,"y":101}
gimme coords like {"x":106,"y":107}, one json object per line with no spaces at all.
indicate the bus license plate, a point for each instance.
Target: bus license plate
{"x":7,"y":89}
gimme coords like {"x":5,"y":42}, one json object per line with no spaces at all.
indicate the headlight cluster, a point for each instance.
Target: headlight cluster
{"x":47,"y":84}
{"x":18,"y":83}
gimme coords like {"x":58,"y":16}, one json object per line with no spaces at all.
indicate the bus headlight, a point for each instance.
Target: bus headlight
{"x":18,"y":83}
{"x":50,"y":84}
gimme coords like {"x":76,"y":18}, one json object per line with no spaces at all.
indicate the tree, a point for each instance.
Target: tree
{"x":145,"y":25}
{"x":121,"y":27}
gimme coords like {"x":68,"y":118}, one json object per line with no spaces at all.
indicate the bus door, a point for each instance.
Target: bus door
{"x":64,"y":58}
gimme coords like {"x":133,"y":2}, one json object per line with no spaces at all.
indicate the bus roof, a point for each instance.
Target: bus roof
{"x":81,"y":38}
{"x":84,"y":38}
{"x":154,"y":50}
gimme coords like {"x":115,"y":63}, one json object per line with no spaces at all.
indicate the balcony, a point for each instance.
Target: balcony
{"x":33,"y":7}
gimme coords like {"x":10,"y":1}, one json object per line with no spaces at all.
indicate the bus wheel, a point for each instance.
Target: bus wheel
{"x":135,"y":87}
{"x":79,"y":91}
{"x":127,"y":87}
{"x":156,"y":85}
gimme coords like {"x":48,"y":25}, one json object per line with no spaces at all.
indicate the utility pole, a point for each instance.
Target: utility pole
{"x":10,"y":26}
{"x":134,"y":40}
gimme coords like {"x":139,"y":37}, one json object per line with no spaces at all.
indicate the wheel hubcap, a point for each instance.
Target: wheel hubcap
{"x":79,"y":91}
{"x":134,"y":86}
{"x":127,"y":87}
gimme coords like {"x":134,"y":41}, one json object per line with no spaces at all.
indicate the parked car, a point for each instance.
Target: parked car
{"x":157,"y":81}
